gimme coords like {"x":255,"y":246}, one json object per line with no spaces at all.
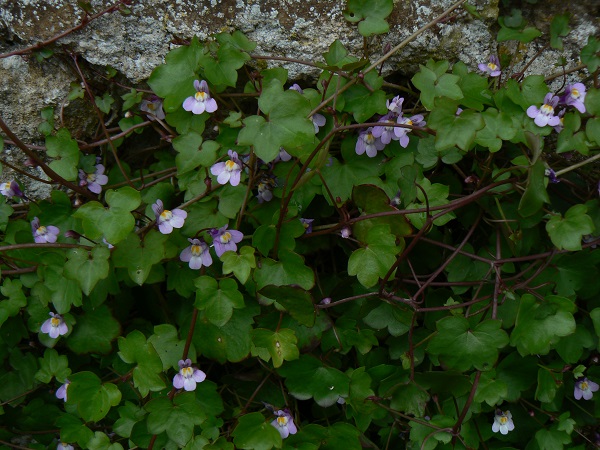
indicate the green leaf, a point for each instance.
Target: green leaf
{"x":551,"y":439}
{"x":14,"y":299}
{"x":589,"y":55}
{"x":193,"y":153}
{"x":290,"y":269}
{"x":104,"y":103}
{"x":168,"y":346}
{"x":53,"y":365}
{"x":460,"y":347}
{"x":427,"y":436}
{"x":297,"y":302}
{"x":395,"y":319}
{"x":101,"y":441}
{"x":525,"y":35}
{"x":498,"y":127}
{"x":223,"y":69}
{"x":94,"y":332}
{"x":131,"y":99}
{"x":566,"y":233}
{"x":540,"y":325}
{"x":138,"y":257}
{"x":308,"y":378}
{"x":134,"y":349}
{"x":65,"y":152}
{"x":337,"y":55}
{"x":410,"y":399}
{"x":454,"y":130}
{"x":490,"y":389}
{"x":370,"y":15}
{"x":559,"y":28}
{"x":518,"y":373}
{"x":376,"y":258}
{"x":93,"y":399}
{"x":535,"y":194}
{"x":281,"y":345}
{"x":547,"y":384}
{"x":474,"y":87}
{"x":176,"y":417}
{"x":72,"y":429}
{"x":433,"y":82}
{"x":253,"y":432}
{"x":364,"y":102}
{"x":288,"y":125}
{"x":217,"y":300}
{"x":87,"y":267}
{"x":240,"y":264}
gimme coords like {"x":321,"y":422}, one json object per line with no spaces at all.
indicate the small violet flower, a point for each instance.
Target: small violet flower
{"x":574,"y":96}
{"x":283,"y":155}
{"x":296,"y":87}
{"x":551,"y":174}
{"x":64,"y":446}
{"x":93,"y":181}
{"x":225,"y":240}
{"x":61,"y":392}
{"x":584,"y":388}
{"x":492,"y":68}
{"x":55,"y":326}
{"x":228,"y":171}
{"x":154,"y":107}
{"x":402,"y":133}
{"x":201,"y":101}
{"x":167,"y":220}
{"x":264,"y":191}
{"x":503,"y":422}
{"x":42,"y":234}
{"x":346,"y":232}
{"x":318,"y":121}
{"x":197,"y":254}
{"x":545,"y":115}
{"x":386,"y":133}
{"x":11,"y":189}
{"x":284,"y":423}
{"x":307,"y":224}
{"x":395,"y":105}
{"x":368,"y":143}
{"x":188,"y":376}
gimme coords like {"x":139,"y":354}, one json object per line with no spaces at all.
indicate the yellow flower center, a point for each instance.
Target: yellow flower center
{"x":7,"y":185}
{"x":230,"y":165}
{"x":583,"y":386}
{"x":196,"y":250}
{"x":55,"y":322}
{"x":503,"y":420}
{"x":151,"y":106}
{"x":166,"y":215}
{"x":225,"y":237}
{"x":40,"y":232}
{"x":187,"y":372}
{"x":369,"y":139}
{"x":91,"y":177}
{"x":201,"y":96}
{"x":575,"y":93}
{"x":282,"y":421}
{"x":492,"y":66}
{"x":547,"y":109}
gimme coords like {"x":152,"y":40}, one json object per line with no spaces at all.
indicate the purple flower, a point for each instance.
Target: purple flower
{"x":225,"y":240}
{"x":154,"y":107}
{"x":93,"y":181}
{"x":402,"y":133}
{"x":367,"y":142}
{"x":55,"y":326}
{"x":318,"y":120}
{"x":11,"y":189}
{"x":61,"y":392}
{"x":196,"y":254}
{"x":561,"y":124}
{"x":574,"y":96}
{"x":307,"y":224}
{"x":201,"y":101}
{"x":395,"y":105}
{"x":228,"y":171}
{"x":492,"y":68}
{"x":167,"y":220}
{"x":188,"y":376}
{"x":264,"y":192}
{"x":545,"y":115}
{"x":64,"y":446}
{"x":42,"y":234}
{"x":284,"y":423}
{"x":386,"y":133}
{"x":346,"y":232}
{"x":297,"y":88}
{"x":584,"y":388}
{"x":503,"y":422}
{"x":283,"y":155}
{"x":551,"y":174}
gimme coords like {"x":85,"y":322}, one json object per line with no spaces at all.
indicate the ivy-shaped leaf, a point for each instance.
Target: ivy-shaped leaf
{"x":65,"y":152}
{"x":134,"y":349}
{"x":370,"y":15}
{"x":87,"y":267}
{"x":93,"y":398}
{"x":217,"y":300}
{"x":281,"y":345}
{"x":375,"y":259}
{"x":566,"y":232}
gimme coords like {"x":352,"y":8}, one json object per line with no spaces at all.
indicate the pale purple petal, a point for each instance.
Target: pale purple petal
{"x":224,"y":177}
{"x":202,"y":86}
{"x":199,"y":376}
{"x":195,"y":262}
{"x":198,"y":108}
{"x":218,"y":168}
{"x":533,"y":111}
{"x":178,"y":381}
{"x":63,"y":329}
{"x":206,"y":258}
{"x":186,"y":254}
{"x":158,"y":208}
{"x":189,"y":384}
{"x":235,"y":178}
{"x":47,"y":326}
{"x":211,"y":105}
{"x":188,"y":103}
{"x":54,"y":332}
{"x":165,"y":227}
